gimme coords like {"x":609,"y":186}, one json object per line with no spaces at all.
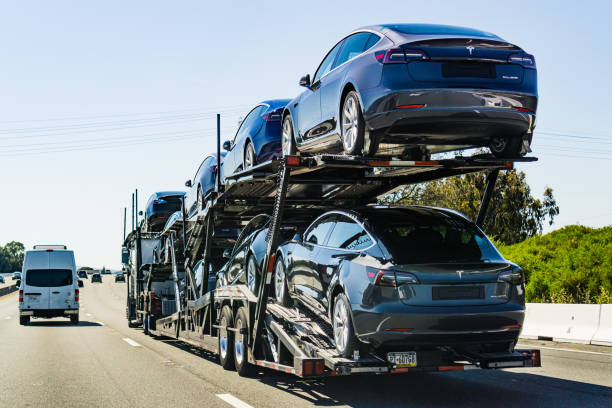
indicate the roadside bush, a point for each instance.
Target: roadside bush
{"x":569,"y":265}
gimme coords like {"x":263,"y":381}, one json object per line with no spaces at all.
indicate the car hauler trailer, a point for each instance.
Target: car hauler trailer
{"x":248,"y":329}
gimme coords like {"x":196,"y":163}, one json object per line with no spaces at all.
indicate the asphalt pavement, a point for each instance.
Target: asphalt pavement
{"x":102,"y":362}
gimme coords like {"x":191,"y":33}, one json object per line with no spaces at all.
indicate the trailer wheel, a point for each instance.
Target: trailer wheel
{"x":226,"y":339}
{"x":23,"y":320}
{"x":241,"y":353}
{"x":74,"y":319}
{"x":342,"y":324}
{"x":280,"y":283}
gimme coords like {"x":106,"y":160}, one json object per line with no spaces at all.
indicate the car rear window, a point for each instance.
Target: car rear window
{"x":47,"y":278}
{"x":167,"y":204}
{"x":435,"y":29}
{"x":435,"y":240}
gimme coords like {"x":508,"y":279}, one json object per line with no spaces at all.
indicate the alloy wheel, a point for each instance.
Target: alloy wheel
{"x":279,"y":281}
{"x":287,"y":137}
{"x":340,"y":325}
{"x":249,"y":157}
{"x":349,"y":123}
{"x":251,"y":274}
{"x":239,"y":342}
{"x":223,"y":338}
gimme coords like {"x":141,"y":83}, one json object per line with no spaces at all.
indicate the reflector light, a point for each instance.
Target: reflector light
{"x":511,"y":326}
{"x":371,"y":274}
{"x":409,"y":106}
{"x":76,"y":295}
{"x":293,"y":161}
{"x":319,"y":366}
{"x":535,"y":357}
{"x":49,"y":250}
{"x":21,"y":295}
{"x":524,"y":110}
{"x":307,"y":367}
{"x":450,"y":368}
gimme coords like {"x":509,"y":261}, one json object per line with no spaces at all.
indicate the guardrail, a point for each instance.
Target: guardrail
{"x":7,"y":289}
{"x":586,"y":324}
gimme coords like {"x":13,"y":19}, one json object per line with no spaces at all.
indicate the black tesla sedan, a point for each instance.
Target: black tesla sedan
{"x":403,"y":278}
{"x":414,"y":89}
{"x":160,"y":206}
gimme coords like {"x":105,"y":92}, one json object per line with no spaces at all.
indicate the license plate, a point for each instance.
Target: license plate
{"x":403,"y":359}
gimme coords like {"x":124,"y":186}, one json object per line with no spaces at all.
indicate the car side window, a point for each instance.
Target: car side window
{"x":353,"y":46}
{"x":249,"y":119}
{"x":326,"y":65}
{"x":317,"y":233}
{"x":371,"y":42}
{"x":349,"y":235}
{"x":206,"y":163}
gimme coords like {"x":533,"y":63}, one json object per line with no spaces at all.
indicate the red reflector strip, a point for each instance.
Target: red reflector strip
{"x":524,"y":110}
{"x":409,"y":106}
{"x":399,"y":370}
{"x":271,"y":264}
{"x":293,"y":161}
{"x":400,"y":330}
{"x":450,"y":368}
{"x":49,"y":250}
{"x":427,"y":163}
{"x":509,"y":165}
{"x":511,"y":326}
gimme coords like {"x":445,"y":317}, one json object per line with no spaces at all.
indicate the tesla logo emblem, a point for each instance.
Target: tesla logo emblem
{"x":470,"y":49}
{"x":459,"y":273}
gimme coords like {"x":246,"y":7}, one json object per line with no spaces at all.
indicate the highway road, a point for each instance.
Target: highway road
{"x":102,"y":362}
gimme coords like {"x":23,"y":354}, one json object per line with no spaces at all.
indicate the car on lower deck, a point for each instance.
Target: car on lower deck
{"x":414,"y":89}
{"x":401,"y":279}
{"x":257,"y":140}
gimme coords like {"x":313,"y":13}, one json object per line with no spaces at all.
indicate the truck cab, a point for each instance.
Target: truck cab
{"x":49,"y":284}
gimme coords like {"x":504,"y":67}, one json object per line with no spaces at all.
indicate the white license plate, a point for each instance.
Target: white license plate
{"x":403,"y":359}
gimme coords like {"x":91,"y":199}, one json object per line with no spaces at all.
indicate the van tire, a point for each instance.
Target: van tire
{"x":23,"y":320}
{"x":74,"y":319}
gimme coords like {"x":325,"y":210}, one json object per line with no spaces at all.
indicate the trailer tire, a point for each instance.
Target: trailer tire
{"x":241,"y":351}
{"x":226,"y":339}
{"x":23,"y":320}
{"x":74,"y":319}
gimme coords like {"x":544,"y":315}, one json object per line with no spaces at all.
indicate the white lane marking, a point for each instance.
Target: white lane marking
{"x":100,"y":323}
{"x":7,"y":317}
{"x":565,"y":349}
{"x":88,"y":314}
{"x":233,"y":401}
{"x":131,"y":342}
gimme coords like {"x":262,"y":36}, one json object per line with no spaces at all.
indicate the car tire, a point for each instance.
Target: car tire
{"x":23,"y":320}
{"x":288,"y":147}
{"x":74,"y":319}
{"x":226,"y":339}
{"x":342,"y":325}
{"x":251,"y":274}
{"x":505,"y":147}
{"x":241,"y":352}
{"x":248,"y":159}
{"x":352,"y":125}
{"x":281,"y":293}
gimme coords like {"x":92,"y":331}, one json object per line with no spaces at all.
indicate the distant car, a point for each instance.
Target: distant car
{"x":120,"y":278}
{"x":106,"y":272}
{"x":160,"y":206}
{"x":82,"y":274}
{"x":257,"y":140}
{"x":400,"y":278}
{"x":409,"y":89}
{"x":16,"y":275}
{"x":96,"y":277}
{"x":202,"y":183}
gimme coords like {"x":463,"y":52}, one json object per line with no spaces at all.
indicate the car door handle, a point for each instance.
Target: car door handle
{"x":55,"y":292}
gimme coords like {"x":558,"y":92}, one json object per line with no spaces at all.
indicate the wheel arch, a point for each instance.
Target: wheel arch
{"x":348,"y":87}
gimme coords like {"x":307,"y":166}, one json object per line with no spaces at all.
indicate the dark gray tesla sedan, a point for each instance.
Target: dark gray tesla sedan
{"x":403,"y":279}
{"x":414,"y":89}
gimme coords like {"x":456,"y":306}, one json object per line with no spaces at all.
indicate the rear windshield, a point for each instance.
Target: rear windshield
{"x":47,"y":278}
{"x":436,"y":240}
{"x":167,"y":205}
{"x":435,"y":29}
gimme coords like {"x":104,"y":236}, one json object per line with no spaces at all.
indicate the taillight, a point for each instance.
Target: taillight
{"x":399,"y":56}
{"x":274,"y":116}
{"x":392,"y":278}
{"x":512,"y":276}
{"x":76,"y":295}
{"x":21,"y":296}
{"x":525,"y":60}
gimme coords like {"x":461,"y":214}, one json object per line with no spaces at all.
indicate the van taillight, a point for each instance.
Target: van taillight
{"x":76,"y":295}
{"x":21,"y":296}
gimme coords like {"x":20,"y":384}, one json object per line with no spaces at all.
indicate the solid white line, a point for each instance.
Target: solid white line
{"x":565,"y":349}
{"x":233,"y":401}
{"x":131,"y":342}
{"x":7,"y":317}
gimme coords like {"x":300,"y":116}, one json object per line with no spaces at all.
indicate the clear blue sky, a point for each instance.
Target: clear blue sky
{"x":99,"y":98}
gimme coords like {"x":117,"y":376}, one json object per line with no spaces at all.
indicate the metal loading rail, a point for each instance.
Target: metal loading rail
{"x":287,"y":339}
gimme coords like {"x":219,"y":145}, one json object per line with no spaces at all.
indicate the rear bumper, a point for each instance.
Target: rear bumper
{"x":434,"y":326}
{"x":449,"y":116}
{"x":48,"y":313}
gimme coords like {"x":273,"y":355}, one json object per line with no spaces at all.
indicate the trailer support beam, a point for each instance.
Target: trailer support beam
{"x":486,"y":198}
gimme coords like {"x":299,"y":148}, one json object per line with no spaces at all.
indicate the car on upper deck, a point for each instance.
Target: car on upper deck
{"x":159,"y":207}
{"x":410,"y":90}
{"x":203,"y":182}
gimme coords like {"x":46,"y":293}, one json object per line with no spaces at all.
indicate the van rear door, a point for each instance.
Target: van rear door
{"x":61,"y":280}
{"x":35,"y":292}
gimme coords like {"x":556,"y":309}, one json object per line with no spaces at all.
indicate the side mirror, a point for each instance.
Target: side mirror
{"x":227,"y":145}
{"x":140,"y":212}
{"x":227,"y":253}
{"x":297,"y":238}
{"x":305,"y":80}
{"x":188,"y":183}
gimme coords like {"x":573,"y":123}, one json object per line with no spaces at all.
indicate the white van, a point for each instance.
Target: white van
{"x":49,"y":284}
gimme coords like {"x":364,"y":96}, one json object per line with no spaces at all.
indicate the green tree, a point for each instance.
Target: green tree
{"x":513,"y":213}
{"x":11,"y":257}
